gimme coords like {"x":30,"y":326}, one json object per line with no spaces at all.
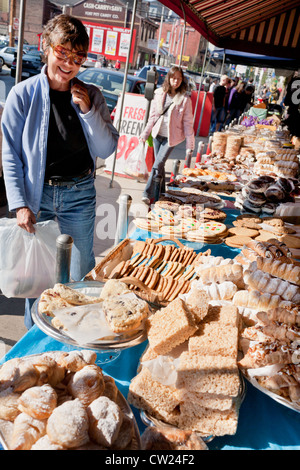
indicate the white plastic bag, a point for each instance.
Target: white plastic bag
{"x":135,"y":164}
{"x":27,"y":261}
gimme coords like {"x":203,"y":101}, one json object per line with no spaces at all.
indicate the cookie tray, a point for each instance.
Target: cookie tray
{"x":115,"y":342}
{"x":123,"y":252}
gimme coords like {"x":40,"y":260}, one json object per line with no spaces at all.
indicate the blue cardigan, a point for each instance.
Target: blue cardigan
{"x":25,"y":123}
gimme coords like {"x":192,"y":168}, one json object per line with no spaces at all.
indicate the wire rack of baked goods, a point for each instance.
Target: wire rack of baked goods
{"x":63,"y":401}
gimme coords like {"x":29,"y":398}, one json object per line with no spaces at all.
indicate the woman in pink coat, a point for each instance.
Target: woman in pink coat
{"x":171,"y":122}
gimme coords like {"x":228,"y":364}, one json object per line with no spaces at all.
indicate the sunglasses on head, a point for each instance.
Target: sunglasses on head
{"x":63,"y":53}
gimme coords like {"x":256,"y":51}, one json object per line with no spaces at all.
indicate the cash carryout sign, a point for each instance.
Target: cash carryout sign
{"x":132,"y":124}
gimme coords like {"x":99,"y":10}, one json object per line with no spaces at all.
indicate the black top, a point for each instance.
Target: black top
{"x":219,"y":96}
{"x":68,"y":154}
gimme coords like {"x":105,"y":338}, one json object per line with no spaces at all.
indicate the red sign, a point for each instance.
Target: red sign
{"x":16,"y":23}
{"x":110,"y":41}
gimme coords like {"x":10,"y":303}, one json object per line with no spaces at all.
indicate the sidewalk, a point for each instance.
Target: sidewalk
{"x":12,"y":310}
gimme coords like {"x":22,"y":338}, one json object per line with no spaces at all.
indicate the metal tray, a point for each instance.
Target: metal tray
{"x":6,"y":426}
{"x":120,"y":341}
{"x":283,"y":401}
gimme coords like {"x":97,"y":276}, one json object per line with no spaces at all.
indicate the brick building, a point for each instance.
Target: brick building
{"x":105,"y":15}
{"x":193,"y":47}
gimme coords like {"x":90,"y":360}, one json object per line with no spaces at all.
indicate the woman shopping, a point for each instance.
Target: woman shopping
{"x":54,"y":127}
{"x":171,"y":122}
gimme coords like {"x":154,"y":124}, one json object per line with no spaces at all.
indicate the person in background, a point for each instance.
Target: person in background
{"x":213,"y":85}
{"x":171,"y":122}
{"x":117,"y":65}
{"x":246,"y":98}
{"x":54,"y":127}
{"x":218,"y":107}
{"x":235,"y":103}
{"x":228,"y":87}
{"x":154,"y":69}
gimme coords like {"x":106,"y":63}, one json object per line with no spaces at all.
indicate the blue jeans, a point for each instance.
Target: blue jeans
{"x":161,"y":154}
{"x":74,"y":208}
{"x":217,"y":117}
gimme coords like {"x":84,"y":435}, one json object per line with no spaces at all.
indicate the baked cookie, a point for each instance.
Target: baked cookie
{"x":125,"y":312}
{"x":214,"y":214}
{"x":150,"y":225}
{"x":113,"y":287}
{"x":105,"y":421}
{"x":169,"y":205}
{"x":237,"y":241}
{"x":162,"y":216}
{"x":243,"y":231}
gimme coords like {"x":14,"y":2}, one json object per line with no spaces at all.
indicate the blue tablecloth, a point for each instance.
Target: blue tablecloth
{"x":263,"y":422}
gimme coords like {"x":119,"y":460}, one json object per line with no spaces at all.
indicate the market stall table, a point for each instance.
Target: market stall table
{"x":263,"y":422}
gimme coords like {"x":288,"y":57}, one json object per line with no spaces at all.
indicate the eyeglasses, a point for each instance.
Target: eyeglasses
{"x":63,"y":53}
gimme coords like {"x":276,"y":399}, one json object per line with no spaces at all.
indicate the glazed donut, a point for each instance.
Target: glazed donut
{"x":38,"y":402}
{"x":105,"y":418}
{"x":68,"y":425}
{"x":87,"y":384}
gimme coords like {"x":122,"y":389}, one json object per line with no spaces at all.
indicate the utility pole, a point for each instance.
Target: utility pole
{"x":11,"y":23}
{"x":159,"y":37}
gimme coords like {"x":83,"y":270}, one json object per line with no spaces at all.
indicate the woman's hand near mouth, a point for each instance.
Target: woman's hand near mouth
{"x":81,"y":97}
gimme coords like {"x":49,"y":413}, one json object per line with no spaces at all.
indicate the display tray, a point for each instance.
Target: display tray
{"x":123,"y":253}
{"x":283,"y":401}
{"x":6,"y":426}
{"x":114,"y":342}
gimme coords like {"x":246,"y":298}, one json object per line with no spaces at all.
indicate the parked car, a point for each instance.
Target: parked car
{"x":30,"y":47}
{"x":7,"y":55}
{"x":91,"y":60}
{"x":110,"y":83}
{"x":31,"y":64}
{"x":162,"y":72}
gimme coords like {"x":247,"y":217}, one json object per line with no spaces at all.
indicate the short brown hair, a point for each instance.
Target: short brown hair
{"x":65,"y":28}
{"x":167,"y":86}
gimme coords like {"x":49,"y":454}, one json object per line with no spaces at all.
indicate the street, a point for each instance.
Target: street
{"x":6,"y":83}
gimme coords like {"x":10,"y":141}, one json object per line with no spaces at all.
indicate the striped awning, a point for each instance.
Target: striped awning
{"x":268,"y":27}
